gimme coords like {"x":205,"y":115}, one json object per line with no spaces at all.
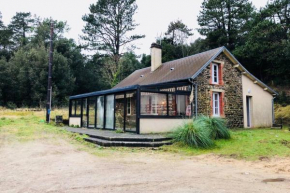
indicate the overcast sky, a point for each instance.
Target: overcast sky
{"x":153,"y":15}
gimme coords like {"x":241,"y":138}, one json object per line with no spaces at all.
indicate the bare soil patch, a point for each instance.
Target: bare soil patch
{"x":57,"y":166}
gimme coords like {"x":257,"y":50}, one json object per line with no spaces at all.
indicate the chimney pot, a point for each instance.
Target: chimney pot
{"x":156,"y":56}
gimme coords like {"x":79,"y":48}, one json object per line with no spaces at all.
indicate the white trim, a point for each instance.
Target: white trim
{"x":213,"y":74}
{"x":216,"y":106}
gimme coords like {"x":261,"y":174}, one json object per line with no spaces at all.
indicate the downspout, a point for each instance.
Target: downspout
{"x":273,"y":112}
{"x":195,"y":95}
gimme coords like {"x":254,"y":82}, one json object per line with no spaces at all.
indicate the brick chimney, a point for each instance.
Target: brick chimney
{"x":156,"y":56}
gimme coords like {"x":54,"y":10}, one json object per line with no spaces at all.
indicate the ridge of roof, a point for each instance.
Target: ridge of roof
{"x":165,"y":63}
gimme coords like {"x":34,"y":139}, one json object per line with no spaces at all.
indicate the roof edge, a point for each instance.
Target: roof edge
{"x":224,"y":49}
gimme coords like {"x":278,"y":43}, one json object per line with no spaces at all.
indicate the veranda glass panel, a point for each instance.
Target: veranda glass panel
{"x":119,"y":111}
{"x":92,"y":114}
{"x":73,"y":108}
{"x":153,"y":104}
{"x":100,"y":112}
{"x":172,"y":105}
{"x":182,"y":103}
{"x":131,"y":112}
{"x":85,"y":117}
{"x":110,"y":112}
{"x":78,"y":107}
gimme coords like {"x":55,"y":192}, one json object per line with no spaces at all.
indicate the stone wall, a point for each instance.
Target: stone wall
{"x":232,"y":92}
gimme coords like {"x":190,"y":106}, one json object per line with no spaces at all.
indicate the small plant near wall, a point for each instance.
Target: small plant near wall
{"x":119,"y":131}
{"x":201,"y":132}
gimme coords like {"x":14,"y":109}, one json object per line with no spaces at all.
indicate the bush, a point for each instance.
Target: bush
{"x":192,"y":135}
{"x":11,"y":105}
{"x":216,"y":125}
{"x":282,"y":113}
{"x":201,"y":132}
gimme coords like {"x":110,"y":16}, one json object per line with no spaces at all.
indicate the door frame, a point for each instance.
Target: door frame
{"x":249,"y":111}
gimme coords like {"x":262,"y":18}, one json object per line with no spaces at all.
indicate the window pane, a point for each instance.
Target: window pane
{"x":119,"y":113}
{"x":172,"y":105}
{"x":100,"y":112}
{"x":153,"y":104}
{"x":110,"y":112}
{"x":85,"y":118}
{"x":215,"y":104}
{"x":92,"y":117}
{"x":182,"y":102}
{"x":131,"y":118}
{"x":73,"y":111}
{"x":78,"y":107}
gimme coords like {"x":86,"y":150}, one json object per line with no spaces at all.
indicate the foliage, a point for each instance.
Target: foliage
{"x":223,"y":21}
{"x":201,"y":132}
{"x":216,"y":125}
{"x":21,"y":26}
{"x":178,"y":32}
{"x":107,"y":27}
{"x":282,"y":113}
{"x":193,"y":135}
{"x":265,"y":51}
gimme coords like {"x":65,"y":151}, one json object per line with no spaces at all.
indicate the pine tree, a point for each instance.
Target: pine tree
{"x":223,"y":21}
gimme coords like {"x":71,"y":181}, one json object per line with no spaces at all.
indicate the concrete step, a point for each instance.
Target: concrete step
{"x":110,"y":143}
{"x":132,"y":139}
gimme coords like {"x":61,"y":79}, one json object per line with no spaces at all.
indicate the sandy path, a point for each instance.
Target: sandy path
{"x":43,"y":166}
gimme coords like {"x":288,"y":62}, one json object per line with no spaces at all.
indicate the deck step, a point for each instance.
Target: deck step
{"x":109,"y":143}
{"x":130,"y":139}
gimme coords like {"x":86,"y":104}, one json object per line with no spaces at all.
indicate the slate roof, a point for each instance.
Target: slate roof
{"x":183,"y":68}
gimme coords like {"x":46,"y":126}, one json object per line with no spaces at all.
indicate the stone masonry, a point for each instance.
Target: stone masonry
{"x":231,"y":89}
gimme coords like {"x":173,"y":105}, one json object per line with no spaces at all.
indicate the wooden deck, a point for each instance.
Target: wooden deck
{"x":111,"y":138}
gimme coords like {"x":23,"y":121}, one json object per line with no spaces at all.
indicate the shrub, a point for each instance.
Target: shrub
{"x":192,"y":135}
{"x":282,"y":113}
{"x":11,"y":105}
{"x":216,"y":126}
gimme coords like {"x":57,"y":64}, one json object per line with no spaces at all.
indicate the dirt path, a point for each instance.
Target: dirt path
{"x":43,"y":166}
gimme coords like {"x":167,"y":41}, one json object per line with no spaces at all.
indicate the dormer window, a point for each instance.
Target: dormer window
{"x":215,"y":74}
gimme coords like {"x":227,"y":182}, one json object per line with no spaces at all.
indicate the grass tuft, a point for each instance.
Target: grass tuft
{"x":216,"y":126}
{"x":193,"y":135}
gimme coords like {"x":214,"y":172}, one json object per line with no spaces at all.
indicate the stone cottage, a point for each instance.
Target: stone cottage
{"x":161,"y":97}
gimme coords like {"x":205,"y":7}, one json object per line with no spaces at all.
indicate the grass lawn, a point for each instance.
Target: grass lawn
{"x":245,"y":144}
{"x":249,"y":144}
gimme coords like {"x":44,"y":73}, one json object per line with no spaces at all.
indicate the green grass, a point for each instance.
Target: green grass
{"x":244,"y":144}
{"x":23,"y":127}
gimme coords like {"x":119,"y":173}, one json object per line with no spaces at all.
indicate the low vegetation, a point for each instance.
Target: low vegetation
{"x":201,"y":132}
{"x":283,"y":113}
{"x":249,"y":144}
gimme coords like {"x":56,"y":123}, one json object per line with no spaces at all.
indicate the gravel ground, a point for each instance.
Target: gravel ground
{"x":46,"y":166}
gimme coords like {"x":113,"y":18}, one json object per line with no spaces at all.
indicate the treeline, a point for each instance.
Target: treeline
{"x":24,"y":47}
{"x":258,"y":38}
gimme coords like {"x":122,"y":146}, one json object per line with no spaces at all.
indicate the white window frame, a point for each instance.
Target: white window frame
{"x":213,"y":72}
{"x":129,"y":109}
{"x":215,"y":97}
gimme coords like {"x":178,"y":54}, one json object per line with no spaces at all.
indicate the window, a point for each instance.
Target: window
{"x":216,"y":104}
{"x":110,"y":112}
{"x":153,"y":104}
{"x":129,"y":106}
{"x":78,"y":108}
{"x":215,"y":74}
{"x":100,"y":112}
{"x":182,"y":102}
